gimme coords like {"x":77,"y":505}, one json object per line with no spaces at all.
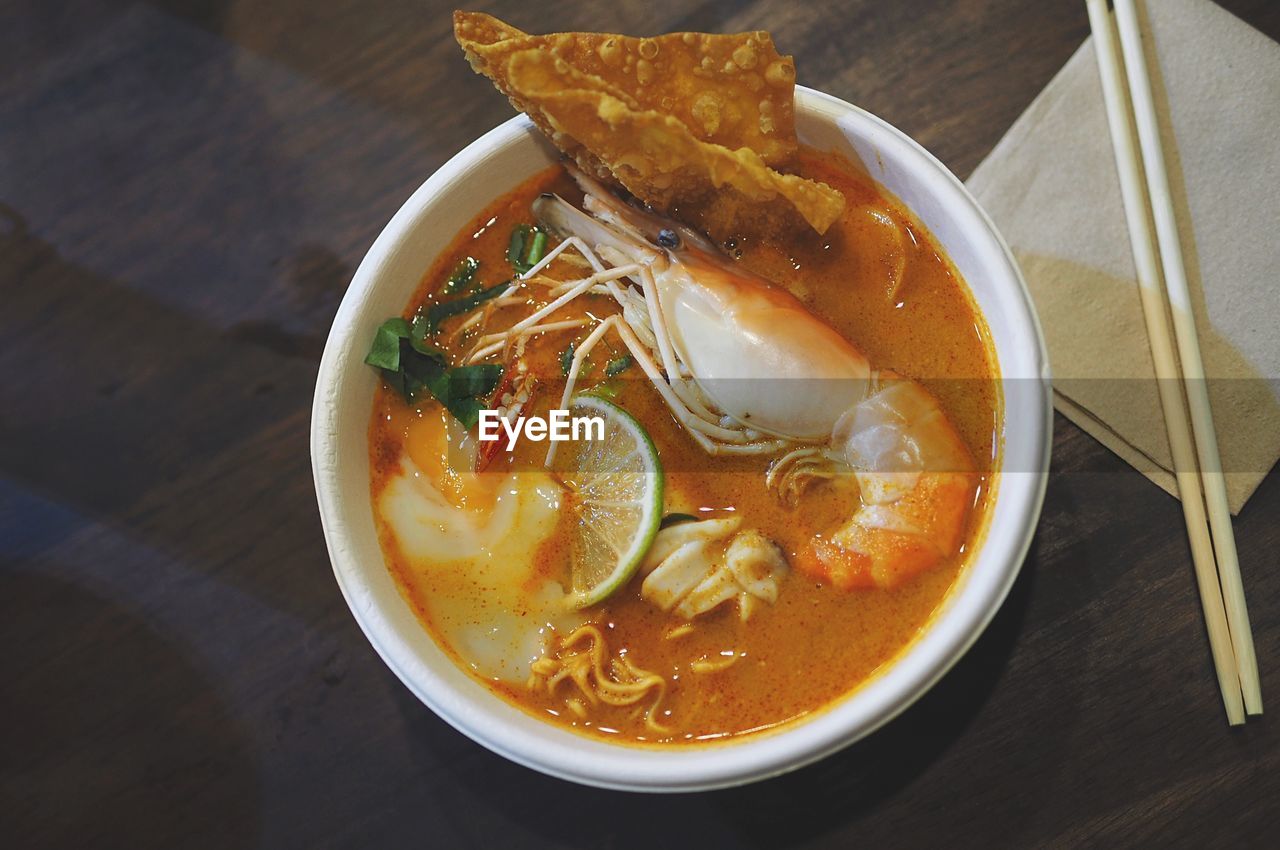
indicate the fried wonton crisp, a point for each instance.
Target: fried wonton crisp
{"x":687,"y":122}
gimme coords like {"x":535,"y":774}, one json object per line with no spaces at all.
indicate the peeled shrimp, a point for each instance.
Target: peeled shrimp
{"x":916,"y":480}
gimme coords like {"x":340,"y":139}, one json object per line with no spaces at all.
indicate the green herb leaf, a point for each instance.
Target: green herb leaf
{"x":385,"y":351}
{"x":676,"y":519}
{"x":466,"y":410}
{"x":515,"y":246}
{"x":422,"y":366}
{"x":395,"y":380}
{"x":418,"y":332}
{"x":409,"y":367}
{"x":437,"y":313}
{"x":528,"y":245}
{"x":461,"y":389}
{"x":537,"y":249}
{"x":476,"y":380}
{"x":462,"y":275}
{"x":619,"y":365}
{"x":566,"y":359}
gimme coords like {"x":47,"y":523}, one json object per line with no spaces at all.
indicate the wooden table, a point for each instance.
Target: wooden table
{"x":185,"y":190}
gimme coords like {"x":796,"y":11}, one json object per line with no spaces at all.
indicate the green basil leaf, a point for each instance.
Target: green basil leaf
{"x":438,"y":313}
{"x":419,"y":330}
{"x":462,"y":275}
{"x":477,"y":380}
{"x":385,"y":351}
{"x":465,"y":410}
{"x":619,"y":365}
{"x":411,"y":367}
{"x":395,"y":380}
{"x":515,"y":246}
{"x":422,"y":367}
{"x":417,"y":338}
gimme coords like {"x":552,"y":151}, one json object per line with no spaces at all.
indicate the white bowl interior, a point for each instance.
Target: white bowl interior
{"x":382,"y":286}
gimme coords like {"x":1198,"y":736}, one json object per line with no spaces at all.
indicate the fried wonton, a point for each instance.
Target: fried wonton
{"x":687,"y":122}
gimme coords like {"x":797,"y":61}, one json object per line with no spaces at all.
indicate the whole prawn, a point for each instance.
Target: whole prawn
{"x":713,"y":337}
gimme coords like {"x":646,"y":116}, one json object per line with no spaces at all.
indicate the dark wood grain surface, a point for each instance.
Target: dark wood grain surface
{"x":185,"y":190}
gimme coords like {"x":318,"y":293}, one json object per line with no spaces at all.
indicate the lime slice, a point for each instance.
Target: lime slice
{"x":616,"y":491}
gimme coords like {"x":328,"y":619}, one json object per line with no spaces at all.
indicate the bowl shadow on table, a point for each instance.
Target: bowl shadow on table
{"x":867,"y":776}
{"x":864,"y":776}
{"x":810,"y":802}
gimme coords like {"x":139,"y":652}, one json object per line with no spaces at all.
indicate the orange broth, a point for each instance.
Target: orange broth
{"x":816,"y":643}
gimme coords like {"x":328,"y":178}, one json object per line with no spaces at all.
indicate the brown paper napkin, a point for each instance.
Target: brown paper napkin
{"x":1051,"y":186}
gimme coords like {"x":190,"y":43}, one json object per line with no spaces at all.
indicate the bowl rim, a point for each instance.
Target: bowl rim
{"x":935,"y":651}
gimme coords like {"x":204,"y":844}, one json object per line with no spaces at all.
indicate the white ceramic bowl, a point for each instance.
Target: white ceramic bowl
{"x":424,"y":226}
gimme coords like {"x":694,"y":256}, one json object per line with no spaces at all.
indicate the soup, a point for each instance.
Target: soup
{"x":794,"y":622}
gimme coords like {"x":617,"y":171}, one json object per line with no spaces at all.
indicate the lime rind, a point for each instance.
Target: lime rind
{"x":620,"y":509}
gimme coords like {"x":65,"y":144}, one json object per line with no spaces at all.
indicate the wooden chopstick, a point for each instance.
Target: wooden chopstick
{"x":1143,"y":243}
{"x":1184,"y":329}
